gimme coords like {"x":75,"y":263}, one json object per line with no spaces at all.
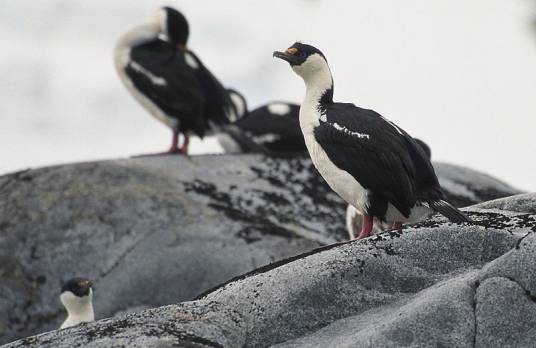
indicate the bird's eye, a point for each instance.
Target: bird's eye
{"x":301,"y":54}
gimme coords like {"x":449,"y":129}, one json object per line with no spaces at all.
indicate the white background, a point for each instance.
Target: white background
{"x":460,"y":75}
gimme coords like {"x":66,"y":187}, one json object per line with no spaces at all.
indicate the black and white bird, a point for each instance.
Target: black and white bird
{"x":168,"y":79}
{"x":77,"y":298}
{"x":425,"y":148}
{"x":369,"y":161}
{"x":274,"y":126}
{"x":354,"y":219}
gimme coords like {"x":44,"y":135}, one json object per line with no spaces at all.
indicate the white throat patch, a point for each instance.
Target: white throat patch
{"x":79,"y":309}
{"x":315,"y":66}
{"x":317,"y":77}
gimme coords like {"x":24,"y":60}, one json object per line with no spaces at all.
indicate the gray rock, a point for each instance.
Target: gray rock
{"x":464,"y":186}
{"x":156,"y":230}
{"x":506,"y":314}
{"x":435,"y":317}
{"x":152,"y":231}
{"x":434,"y":285}
{"x":524,"y":203}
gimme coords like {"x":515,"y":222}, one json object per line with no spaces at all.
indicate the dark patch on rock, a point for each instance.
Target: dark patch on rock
{"x":253,"y":218}
{"x":313,"y":195}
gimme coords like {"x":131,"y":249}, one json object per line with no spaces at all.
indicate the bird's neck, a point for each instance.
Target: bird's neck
{"x":318,"y":94}
{"x":136,"y":36}
{"x":76,"y":314}
{"x":78,"y":307}
{"x":142,"y":33}
{"x":81,"y":310}
{"x":319,"y":87}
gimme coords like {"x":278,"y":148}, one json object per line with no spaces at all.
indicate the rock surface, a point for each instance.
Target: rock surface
{"x":525,"y":203}
{"x":142,"y":225}
{"x":434,"y":285}
{"x":160,"y":230}
{"x":465,"y":186}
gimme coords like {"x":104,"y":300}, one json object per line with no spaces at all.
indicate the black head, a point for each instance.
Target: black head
{"x":78,"y":286}
{"x":176,"y":26}
{"x":298,"y":53}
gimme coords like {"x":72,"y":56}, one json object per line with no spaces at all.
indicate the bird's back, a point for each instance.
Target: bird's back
{"x":378,"y":153}
{"x":276,"y":125}
{"x":218,"y":102}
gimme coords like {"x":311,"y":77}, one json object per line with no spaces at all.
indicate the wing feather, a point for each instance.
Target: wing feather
{"x":373,"y":150}
{"x":166,"y":79}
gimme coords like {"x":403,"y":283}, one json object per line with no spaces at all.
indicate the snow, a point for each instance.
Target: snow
{"x":459,"y":75}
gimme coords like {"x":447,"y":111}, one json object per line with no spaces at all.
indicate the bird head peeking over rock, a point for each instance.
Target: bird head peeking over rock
{"x":368,"y":160}
{"x":77,"y":298}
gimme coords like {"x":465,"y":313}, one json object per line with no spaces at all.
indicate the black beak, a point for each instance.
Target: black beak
{"x":293,"y":60}
{"x":87,"y":285}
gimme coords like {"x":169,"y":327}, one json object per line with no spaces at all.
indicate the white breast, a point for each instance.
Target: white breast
{"x":79,"y":309}
{"x":73,"y":320}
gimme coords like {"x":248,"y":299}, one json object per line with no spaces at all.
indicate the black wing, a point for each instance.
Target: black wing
{"x":219,"y":104}
{"x":380,"y":155}
{"x":163,"y":75}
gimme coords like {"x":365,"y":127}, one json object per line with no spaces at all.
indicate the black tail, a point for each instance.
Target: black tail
{"x":449,"y":211}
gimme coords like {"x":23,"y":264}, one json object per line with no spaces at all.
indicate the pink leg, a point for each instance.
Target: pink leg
{"x":366,"y":227}
{"x":174,"y":148}
{"x":184,"y":148}
{"x":397,"y":225}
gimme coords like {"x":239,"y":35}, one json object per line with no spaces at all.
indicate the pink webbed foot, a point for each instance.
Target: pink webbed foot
{"x":397,"y":225}
{"x":366,"y":227}
{"x":175,"y":149}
